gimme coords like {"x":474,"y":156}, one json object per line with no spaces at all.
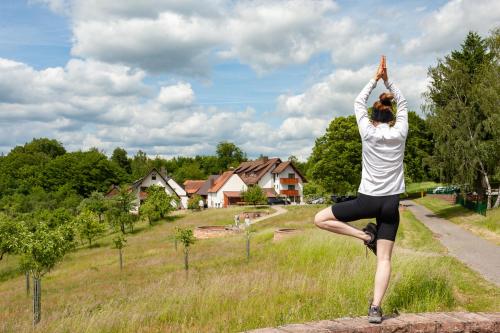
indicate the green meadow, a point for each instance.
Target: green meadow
{"x":312,"y":276}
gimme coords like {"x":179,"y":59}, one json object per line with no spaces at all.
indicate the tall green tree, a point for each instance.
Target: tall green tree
{"x":419,"y":148}
{"x":121,"y":159}
{"x":463,"y":112}
{"x":335,"y":162}
{"x":229,"y":155}
{"x":140,"y":165}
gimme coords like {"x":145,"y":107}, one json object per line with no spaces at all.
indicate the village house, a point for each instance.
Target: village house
{"x":275,"y":177}
{"x":154,"y":177}
{"x":225,"y":190}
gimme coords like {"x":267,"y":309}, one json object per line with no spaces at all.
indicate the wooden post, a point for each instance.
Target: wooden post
{"x":121,"y":259}
{"x":186,"y":262}
{"x":37,"y":300}
{"x":27,"y":283}
{"x":248,"y":246}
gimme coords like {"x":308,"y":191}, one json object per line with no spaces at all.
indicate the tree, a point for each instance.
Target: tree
{"x":140,"y":165}
{"x":194,"y":202}
{"x":463,"y":112}
{"x":158,"y":204}
{"x":11,"y":235}
{"x":42,"y":248}
{"x":254,"y":195}
{"x":89,"y":225}
{"x":313,"y":190}
{"x":229,"y":155}
{"x":118,"y":213}
{"x":188,"y":171}
{"x":119,"y":243}
{"x":335,"y":162}
{"x":418,"y":150}
{"x":121,"y":159}
{"x":301,"y":166}
{"x":186,"y":237}
{"x":96,"y":203}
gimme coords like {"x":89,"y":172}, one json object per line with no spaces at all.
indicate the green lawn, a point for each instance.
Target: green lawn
{"x":417,"y":187}
{"x":487,"y":227}
{"x":315,"y":275}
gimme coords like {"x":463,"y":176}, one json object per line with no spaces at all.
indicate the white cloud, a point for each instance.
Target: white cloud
{"x":184,"y":37}
{"x":179,"y":95}
{"x":334,"y":96}
{"x":446,"y":27}
{"x":90,"y":104}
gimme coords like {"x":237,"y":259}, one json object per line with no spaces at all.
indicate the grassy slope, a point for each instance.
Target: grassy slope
{"x":313,"y":276}
{"x":487,"y":227}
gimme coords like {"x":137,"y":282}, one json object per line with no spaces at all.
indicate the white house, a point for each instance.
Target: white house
{"x":225,"y":190}
{"x":277,"y":178}
{"x":154,"y":177}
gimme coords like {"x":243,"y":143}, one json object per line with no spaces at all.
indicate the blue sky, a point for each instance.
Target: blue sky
{"x":176,"y":77}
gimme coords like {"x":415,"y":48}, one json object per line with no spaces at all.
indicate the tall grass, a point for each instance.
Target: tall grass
{"x":312,"y":276}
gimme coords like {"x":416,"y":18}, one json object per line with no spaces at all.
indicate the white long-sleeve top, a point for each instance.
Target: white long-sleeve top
{"x":383,"y":145}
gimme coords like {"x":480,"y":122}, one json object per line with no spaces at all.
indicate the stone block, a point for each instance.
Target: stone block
{"x":330,"y":326}
{"x":474,"y":323}
{"x":418,"y":324}
{"x":446,"y":323}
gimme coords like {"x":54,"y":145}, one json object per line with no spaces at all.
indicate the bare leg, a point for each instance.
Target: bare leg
{"x":327,"y":221}
{"x":383,"y":274}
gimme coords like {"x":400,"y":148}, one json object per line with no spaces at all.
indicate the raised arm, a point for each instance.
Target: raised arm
{"x":360,"y":108}
{"x":402,"y":113}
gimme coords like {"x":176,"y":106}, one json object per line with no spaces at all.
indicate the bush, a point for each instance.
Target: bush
{"x":194,"y":202}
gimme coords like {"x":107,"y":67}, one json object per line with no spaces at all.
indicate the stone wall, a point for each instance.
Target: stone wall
{"x":435,"y":322}
{"x":451,"y":198}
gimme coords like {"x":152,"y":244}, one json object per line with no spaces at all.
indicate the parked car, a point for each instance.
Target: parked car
{"x":318,"y":201}
{"x":278,"y":201}
{"x":342,"y":198}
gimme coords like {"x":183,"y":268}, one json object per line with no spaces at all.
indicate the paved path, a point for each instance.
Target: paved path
{"x":476,"y":252}
{"x":279,"y":210}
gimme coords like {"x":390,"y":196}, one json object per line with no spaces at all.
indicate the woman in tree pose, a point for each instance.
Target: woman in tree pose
{"x":382,"y":180}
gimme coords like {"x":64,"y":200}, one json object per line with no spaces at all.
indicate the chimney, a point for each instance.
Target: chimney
{"x":163,"y":172}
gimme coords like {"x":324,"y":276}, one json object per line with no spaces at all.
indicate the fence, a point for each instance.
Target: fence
{"x":476,"y":206}
{"x":475,"y":203}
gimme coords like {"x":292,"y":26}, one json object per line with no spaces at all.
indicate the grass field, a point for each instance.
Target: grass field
{"x":487,"y":226}
{"x":315,"y":275}
{"x":417,"y":187}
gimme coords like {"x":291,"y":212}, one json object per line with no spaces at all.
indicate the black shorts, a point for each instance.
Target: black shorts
{"x":385,"y":209}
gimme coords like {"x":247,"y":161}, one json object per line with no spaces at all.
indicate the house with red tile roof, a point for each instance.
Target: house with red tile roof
{"x":192,"y":186}
{"x":275,"y":177}
{"x":225,"y":190}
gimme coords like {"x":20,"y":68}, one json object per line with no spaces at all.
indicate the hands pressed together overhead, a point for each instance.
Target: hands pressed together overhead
{"x":382,"y":70}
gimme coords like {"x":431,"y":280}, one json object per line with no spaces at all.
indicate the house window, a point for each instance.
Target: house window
{"x":291,"y":187}
{"x":153,"y":176}
{"x":291,"y":175}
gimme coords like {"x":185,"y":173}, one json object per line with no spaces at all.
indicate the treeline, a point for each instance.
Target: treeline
{"x":42,"y":175}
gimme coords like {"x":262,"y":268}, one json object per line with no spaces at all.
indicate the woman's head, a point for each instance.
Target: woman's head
{"x":382,"y":109}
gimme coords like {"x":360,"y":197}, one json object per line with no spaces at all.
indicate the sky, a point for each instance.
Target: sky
{"x":175,"y":77}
